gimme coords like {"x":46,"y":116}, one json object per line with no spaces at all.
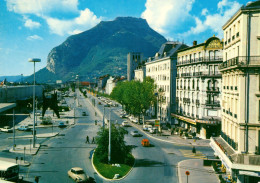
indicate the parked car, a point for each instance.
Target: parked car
{"x":135,"y":133}
{"x":145,"y":127}
{"x":134,"y":120}
{"x":122,"y":115}
{"x":24,"y":128}
{"x":78,"y":174}
{"x":125,"y":124}
{"x":7,"y":129}
{"x":84,"y":113}
{"x":61,"y":125}
{"x":153,"y":130}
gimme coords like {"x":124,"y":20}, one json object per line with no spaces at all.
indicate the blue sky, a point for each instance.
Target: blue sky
{"x":31,"y":28}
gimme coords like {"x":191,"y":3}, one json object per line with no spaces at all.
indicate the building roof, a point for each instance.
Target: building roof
{"x":250,"y":6}
{"x":6,"y":106}
{"x":206,"y":43}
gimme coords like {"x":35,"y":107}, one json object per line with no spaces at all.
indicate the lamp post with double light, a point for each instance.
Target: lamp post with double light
{"x":34,"y":60}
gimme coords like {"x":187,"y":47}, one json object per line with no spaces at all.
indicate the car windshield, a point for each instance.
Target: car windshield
{"x":79,"y":172}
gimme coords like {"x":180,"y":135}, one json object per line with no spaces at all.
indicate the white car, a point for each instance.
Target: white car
{"x":153,"y":130}
{"x":145,"y":127}
{"x":78,"y":174}
{"x":125,"y":124}
{"x":7,"y":129}
{"x":134,"y":120}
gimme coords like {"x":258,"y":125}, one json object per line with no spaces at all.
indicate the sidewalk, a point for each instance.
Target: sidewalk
{"x":174,"y":139}
{"x":197,"y":172}
{"x":43,"y":135}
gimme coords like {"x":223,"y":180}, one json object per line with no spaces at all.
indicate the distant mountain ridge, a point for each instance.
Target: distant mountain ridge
{"x":101,"y":50}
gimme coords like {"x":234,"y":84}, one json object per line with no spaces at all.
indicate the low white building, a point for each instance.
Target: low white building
{"x":110,"y":85}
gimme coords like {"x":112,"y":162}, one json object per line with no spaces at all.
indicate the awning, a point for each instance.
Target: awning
{"x":184,"y":119}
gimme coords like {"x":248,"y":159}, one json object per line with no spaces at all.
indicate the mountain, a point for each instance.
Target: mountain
{"x":101,"y":50}
{"x":12,"y":78}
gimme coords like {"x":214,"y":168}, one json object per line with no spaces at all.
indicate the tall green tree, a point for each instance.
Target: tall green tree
{"x":135,"y":96}
{"x":120,"y":152}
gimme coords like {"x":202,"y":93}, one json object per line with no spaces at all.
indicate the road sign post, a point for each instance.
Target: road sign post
{"x":187,"y":173}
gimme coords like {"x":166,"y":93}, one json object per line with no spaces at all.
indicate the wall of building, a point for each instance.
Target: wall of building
{"x":11,"y":94}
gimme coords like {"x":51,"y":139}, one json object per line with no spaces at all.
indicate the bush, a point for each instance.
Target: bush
{"x":46,"y":121}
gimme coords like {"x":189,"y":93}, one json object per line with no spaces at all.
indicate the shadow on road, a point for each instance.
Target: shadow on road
{"x":147,"y":163}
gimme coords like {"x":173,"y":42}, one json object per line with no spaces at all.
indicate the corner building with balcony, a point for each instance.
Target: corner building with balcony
{"x":238,"y":147}
{"x":162,"y":68}
{"x":198,"y":88}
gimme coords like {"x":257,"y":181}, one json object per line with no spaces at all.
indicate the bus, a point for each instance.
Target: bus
{"x":9,"y":171}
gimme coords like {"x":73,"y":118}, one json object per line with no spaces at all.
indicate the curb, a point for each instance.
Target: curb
{"x":105,"y":177}
{"x":185,"y":144}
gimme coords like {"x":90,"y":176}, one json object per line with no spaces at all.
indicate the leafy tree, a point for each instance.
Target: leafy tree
{"x":135,"y":96}
{"x":120,"y":152}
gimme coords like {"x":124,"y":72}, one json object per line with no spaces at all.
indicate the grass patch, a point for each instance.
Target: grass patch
{"x":108,"y":171}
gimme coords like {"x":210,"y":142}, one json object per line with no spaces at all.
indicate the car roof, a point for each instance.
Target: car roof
{"x":77,"y":168}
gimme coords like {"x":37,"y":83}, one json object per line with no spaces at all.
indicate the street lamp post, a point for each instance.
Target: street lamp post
{"x":109,"y":145}
{"x":34,"y":60}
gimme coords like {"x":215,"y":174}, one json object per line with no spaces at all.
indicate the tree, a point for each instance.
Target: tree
{"x":119,"y":150}
{"x":135,"y":96}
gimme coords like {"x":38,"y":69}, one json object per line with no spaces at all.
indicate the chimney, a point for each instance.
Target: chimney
{"x":194,"y":43}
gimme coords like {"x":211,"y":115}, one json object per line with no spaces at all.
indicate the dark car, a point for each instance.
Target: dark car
{"x":24,"y":128}
{"x":61,"y":125}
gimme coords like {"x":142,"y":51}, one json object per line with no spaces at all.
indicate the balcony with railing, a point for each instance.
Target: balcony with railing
{"x":212,"y":103}
{"x":200,"y":60}
{"x":207,"y":74}
{"x":213,"y":89}
{"x":186,"y":100}
{"x":186,"y":74}
{"x":240,"y":62}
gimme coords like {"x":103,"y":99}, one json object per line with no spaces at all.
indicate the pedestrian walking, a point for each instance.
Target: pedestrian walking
{"x":87,"y":139}
{"x":93,"y":140}
{"x":193,"y":150}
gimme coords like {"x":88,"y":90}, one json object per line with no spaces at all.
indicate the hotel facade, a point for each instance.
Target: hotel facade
{"x":198,"y":88}
{"x":238,"y":147}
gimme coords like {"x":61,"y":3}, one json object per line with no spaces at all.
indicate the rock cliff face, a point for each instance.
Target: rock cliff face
{"x":103,"y":49}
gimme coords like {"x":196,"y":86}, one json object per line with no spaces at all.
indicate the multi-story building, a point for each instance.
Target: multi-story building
{"x":238,"y":147}
{"x":133,"y":60}
{"x":162,"y":68}
{"x":198,"y":87}
{"x":140,"y":73}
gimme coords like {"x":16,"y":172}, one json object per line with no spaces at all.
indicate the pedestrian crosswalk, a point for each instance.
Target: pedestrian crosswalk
{"x":189,"y":154}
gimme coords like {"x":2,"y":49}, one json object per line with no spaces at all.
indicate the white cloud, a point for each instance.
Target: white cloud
{"x":41,"y":7}
{"x":34,"y":37}
{"x":204,"y":11}
{"x":214,"y":22}
{"x":86,"y":20}
{"x":46,"y":8}
{"x":164,"y":15}
{"x":31,"y":24}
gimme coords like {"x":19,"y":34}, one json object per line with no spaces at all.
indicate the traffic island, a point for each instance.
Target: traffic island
{"x":112,"y":171}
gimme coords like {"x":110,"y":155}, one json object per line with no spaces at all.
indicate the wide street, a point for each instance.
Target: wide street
{"x":69,"y":149}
